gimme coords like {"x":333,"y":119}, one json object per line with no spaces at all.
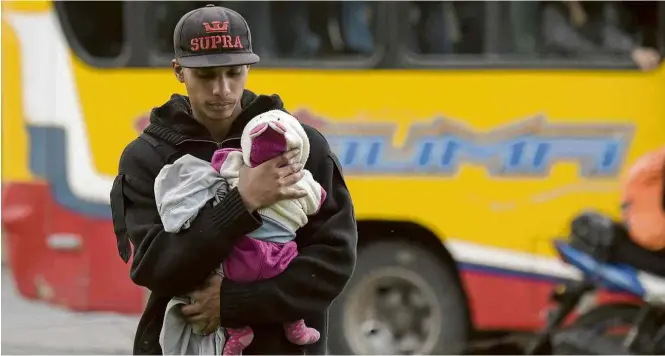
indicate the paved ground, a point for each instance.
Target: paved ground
{"x":35,"y":328}
{"x":30,"y":327}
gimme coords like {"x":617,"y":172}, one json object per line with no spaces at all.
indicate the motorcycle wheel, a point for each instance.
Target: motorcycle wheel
{"x":609,"y":322}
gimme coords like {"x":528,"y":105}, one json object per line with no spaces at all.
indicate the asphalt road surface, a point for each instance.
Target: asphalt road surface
{"x":36,"y":328}
{"x":31,"y":327}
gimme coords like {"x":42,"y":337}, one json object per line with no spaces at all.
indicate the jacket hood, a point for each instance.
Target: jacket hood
{"x":174,"y":123}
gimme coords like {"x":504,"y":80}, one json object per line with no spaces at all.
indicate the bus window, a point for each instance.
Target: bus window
{"x":95,"y":28}
{"x":581,"y":30}
{"x":446,"y":27}
{"x":165,"y":17}
{"x":314,"y":30}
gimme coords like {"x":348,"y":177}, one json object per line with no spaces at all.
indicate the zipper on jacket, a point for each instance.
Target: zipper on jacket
{"x":195,"y":140}
{"x":221,"y":145}
{"x":217,"y":144}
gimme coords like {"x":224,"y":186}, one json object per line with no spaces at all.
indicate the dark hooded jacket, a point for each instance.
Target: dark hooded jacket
{"x":171,"y":264}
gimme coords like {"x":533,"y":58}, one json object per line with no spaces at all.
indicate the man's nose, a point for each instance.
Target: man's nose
{"x":221,"y":88}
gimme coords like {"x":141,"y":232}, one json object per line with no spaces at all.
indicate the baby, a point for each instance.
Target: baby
{"x":184,"y":187}
{"x":267,"y":251}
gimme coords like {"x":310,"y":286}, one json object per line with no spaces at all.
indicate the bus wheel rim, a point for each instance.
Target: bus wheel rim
{"x":392,"y":310}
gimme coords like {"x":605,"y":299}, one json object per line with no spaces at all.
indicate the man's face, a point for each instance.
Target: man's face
{"x":214,"y":92}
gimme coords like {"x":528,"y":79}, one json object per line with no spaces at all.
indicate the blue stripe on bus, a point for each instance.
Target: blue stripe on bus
{"x":48,"y":160}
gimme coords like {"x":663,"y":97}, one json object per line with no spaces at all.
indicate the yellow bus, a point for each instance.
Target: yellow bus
{"x":462,"y":165}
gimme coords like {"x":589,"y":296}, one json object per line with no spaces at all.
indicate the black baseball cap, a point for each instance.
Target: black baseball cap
{"x":213,"y":36}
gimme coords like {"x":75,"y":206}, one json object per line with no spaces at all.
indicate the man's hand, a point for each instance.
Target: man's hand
{"x":646,"y":58}
{"x":203,"y":312}
{"x":271,"y":181}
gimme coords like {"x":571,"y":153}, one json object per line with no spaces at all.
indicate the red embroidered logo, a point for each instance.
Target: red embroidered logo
{"x":217,"y":26}
{"x":215,"y":42}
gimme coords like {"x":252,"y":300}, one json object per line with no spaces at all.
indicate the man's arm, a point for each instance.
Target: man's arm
{"x":560,"y":35}
{"x":326,"y":260}
{"x":173,"y":263}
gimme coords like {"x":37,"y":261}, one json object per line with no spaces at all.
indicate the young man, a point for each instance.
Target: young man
{"x":213,"y":52}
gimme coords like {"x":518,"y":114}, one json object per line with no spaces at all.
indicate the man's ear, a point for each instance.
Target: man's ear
{"x":178,"y":71}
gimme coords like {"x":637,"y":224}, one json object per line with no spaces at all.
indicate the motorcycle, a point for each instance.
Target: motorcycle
{"x":595,"y":248}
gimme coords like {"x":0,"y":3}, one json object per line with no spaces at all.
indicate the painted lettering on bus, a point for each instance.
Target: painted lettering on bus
{"x":529,"y":147}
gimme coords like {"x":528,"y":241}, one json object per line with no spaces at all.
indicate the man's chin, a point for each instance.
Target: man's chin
{"x":220,"y":115}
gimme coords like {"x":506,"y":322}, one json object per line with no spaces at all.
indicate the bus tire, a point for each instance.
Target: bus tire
{"x":401,"y":299}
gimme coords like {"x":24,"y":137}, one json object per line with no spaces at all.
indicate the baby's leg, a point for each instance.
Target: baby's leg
{"x":237,"y":340}
{"x":299,"y":334}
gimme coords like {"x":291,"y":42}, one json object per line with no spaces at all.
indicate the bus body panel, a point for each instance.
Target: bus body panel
{"x":493,"y":162}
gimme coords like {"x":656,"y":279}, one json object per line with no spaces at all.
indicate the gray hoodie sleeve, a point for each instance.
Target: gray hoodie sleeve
{"x":183,"y":188}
